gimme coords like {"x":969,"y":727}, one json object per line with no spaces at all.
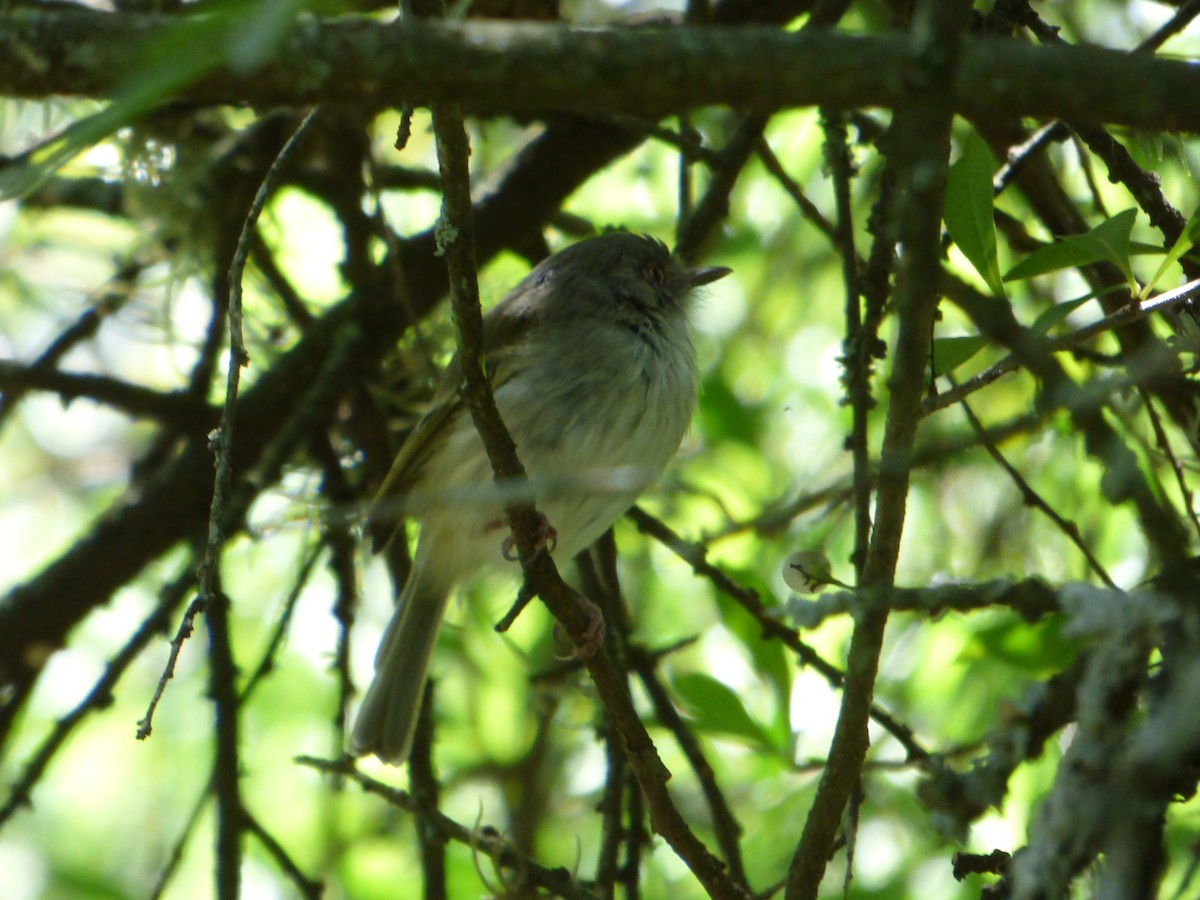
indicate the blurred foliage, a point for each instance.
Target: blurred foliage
{"x":138,"y":238}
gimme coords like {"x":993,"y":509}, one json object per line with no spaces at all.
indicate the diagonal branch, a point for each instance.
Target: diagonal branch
{"x":458,"y":245}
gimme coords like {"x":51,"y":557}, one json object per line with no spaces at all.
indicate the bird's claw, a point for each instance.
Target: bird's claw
{"x":547,"y":540}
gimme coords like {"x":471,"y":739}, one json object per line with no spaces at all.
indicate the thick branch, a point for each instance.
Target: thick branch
{"x":502,"y":67}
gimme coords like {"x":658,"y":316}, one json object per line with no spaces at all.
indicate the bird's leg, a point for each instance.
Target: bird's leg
{"x":547,"y":540}
{"x":593,"y":636}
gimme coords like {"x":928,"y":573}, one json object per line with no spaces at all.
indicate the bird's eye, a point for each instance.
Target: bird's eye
{"x":656,"y":273}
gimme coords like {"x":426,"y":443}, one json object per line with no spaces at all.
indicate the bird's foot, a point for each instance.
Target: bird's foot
{"x":547,"y":540}
{"x":593,"y":637}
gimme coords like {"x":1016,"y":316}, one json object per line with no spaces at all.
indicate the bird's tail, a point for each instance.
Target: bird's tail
{"x":388,"y":716}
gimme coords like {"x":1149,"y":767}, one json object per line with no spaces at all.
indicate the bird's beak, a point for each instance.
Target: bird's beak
{"x":706,"y":275}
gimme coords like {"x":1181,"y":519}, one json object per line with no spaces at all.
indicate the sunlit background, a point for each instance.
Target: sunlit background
{"x":109,"y":812}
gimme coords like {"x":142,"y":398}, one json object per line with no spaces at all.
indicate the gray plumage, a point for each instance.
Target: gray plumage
{"x":591,"y":361}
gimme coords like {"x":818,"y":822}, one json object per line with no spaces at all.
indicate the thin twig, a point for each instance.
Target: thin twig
{"x":1186,"y":495}
{"x":267,"y":662}
{"x":98,"y":697}
{"x":186,"y":626}
{"x":857,"y":346}
{"x":725,"y":825}
{"x":114,"y":295}
{"x":215,"y":603}
{"x":610,"y":809}
{"x":1173,"y":26}
{"x":1032,"y":498}
{"x":1022,"y":153}
{"x":637,"y":840}
{"x":645,"y":663}
{"x":686,"y":187}
{"x":227,"y":756}
{"x":695,"y":556}
{"x":487,"y":841}
{"x":1159,"y":303}
{"x":714,"y":205}
{"x":175,"y":856}
{"x":292,"y":302}
{"x":307,"y":887}
{"x":781,"y":513}
{"x":425,"y":792}
{"x":343,"y":554}
{"x":597,"y":568}
{"x":810,"y":210}
{"x":1124,"y":479}
{"x":179,"y":409}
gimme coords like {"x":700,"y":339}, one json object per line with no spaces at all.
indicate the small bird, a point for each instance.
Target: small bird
{"x":592,"y":365}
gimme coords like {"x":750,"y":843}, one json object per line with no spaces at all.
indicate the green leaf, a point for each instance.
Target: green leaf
{"x":1055,"y":314}
{"x":1051,"y":258}
{"x":231,"y":33}
{"x":1107,"y":241}
{"x":951,"y":352}
{"x":1039,"y":649}
{"x":1110,"y":239}
{"x":717,"y":709}
{"x":770,"y":662}
{"x":1183,"y":244}
{"x":968,"y":211}
{"x":769,"y":659}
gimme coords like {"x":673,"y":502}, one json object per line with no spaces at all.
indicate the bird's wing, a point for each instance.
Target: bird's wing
{"x":503,"y":334}
{"x":387,"y":508}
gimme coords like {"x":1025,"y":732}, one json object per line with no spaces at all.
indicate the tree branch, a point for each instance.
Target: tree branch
{"x":919,"y":151}
{"x":456,"y":238}
{"x":502,"y":67}
{"x":487,"y":842}
{"x":174,"y":502}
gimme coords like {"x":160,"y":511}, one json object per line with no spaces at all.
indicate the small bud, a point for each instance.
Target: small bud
{"x":807,"y":571}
